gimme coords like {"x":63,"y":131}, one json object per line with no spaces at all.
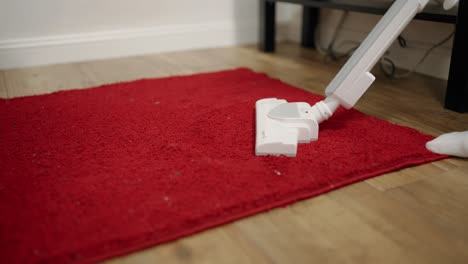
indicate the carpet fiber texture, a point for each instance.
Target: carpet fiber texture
{"x":94,"y":173}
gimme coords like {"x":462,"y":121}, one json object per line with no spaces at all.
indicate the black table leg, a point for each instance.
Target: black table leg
{"x":310,"y":19}
{"x":456,"y":97}
{"x":267,"y":25}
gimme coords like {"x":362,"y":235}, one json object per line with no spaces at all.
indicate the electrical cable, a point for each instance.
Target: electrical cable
{"x":387,"y":65}
{"x":326,"y":50}
{"x":330,"y":52}
{"x":393,"y":73}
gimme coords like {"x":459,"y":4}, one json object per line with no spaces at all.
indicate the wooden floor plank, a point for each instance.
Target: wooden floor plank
{"x":45,"y":79}
{"x":212,"y":246}
{"x":442,"y":200}
{"x":393,"y":180}
{"x":3,"y":89}
{"x":423,"y":239}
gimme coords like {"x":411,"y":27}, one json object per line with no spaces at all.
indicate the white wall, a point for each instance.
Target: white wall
{"x":56,"y":31}
{"x":51,"y":31}
{"x":26,"y":18}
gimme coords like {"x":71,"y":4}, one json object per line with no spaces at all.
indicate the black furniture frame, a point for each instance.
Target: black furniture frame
{"x":456,"y":98}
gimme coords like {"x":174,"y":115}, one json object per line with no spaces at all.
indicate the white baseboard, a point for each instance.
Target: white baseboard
{"x":110,"y":44}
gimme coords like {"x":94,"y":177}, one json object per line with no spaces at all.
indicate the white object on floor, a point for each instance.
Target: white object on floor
{"x":453,"y":144}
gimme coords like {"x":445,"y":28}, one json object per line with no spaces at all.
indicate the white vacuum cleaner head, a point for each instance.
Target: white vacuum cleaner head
{"x":282,"y":125}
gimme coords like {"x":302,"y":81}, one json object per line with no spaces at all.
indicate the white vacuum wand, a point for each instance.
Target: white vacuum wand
{"x":280,"y":125}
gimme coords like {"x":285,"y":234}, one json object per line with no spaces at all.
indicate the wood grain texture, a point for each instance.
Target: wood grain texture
{"x":416,"y":215}
{"x":3,"y":89}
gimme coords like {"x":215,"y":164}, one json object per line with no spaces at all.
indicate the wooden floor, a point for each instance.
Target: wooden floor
{"x":417,"y":215}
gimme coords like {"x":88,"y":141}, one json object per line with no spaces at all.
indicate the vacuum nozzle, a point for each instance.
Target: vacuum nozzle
{"x":282,"y":125}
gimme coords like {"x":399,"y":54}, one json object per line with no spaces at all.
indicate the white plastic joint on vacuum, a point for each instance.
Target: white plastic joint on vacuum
{"x":321,"y":111}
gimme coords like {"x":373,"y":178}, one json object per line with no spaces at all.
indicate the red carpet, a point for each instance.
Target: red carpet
{"x":91,"y":174}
